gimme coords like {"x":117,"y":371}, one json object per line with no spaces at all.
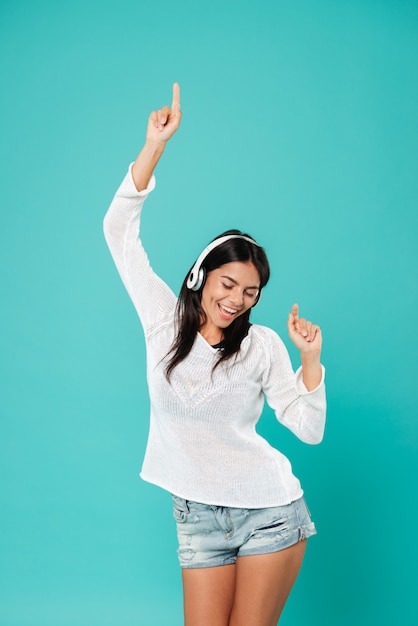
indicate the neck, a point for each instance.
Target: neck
{"x":212,"y":335}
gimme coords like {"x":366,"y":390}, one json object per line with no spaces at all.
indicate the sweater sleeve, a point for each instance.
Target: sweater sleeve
{"x":300,"y":410}
{"x":150,"y":295}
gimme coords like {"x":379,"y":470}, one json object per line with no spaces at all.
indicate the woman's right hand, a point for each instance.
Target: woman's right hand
{"x":162,"y":124}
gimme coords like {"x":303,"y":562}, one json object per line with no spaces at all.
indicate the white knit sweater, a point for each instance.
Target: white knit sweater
{"x":202,"y":442}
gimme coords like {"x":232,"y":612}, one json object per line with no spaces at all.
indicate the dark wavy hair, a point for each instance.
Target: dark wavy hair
{"x":190,"y":316}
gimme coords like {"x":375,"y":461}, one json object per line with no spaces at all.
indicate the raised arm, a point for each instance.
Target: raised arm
{"x":153,"y":299}
{"x":162,"y":125}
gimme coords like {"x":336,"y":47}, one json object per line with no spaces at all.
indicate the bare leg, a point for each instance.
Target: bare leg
{"x":208,"y":595}
{"x":263,"y":583}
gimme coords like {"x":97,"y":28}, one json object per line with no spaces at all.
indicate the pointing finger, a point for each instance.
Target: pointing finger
{"x":291,"y":322}
{"x":175,"y":105}
{"x":295,"y":311}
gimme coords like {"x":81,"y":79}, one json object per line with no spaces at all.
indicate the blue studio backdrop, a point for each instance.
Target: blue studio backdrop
{"x":300,"y":127}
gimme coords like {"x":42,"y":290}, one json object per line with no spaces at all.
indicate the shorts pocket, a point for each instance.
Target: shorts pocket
{"x":274,"y":525}
{"x":278,"y":526}
{"x":180,"y":509}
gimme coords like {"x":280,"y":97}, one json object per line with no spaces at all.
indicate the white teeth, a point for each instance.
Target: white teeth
{"x":227,"y":309}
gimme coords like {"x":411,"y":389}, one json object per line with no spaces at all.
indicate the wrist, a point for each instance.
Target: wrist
{"x":310,"y":356}
{"x":155,"y":146}
{"x":145,"y":163}
{"x":311,"y":370}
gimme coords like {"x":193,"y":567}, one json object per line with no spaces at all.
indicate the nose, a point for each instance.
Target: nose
{"x":237,"y":298}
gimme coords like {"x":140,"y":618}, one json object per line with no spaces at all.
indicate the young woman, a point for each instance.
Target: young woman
{"x":242,"y":522}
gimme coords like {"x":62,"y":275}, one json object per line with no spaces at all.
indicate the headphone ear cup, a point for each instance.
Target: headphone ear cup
{"x":200,"y":279}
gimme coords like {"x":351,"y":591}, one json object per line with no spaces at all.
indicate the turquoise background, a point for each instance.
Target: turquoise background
{"x":300,"y":126}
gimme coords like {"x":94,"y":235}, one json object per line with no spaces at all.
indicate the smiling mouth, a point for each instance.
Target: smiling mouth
{"x":226,"y":312}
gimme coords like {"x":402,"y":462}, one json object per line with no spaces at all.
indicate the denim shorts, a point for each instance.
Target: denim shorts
{"x":210,"y":535}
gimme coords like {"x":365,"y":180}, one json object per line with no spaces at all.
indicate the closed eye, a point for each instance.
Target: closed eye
{"x":250,"y":294}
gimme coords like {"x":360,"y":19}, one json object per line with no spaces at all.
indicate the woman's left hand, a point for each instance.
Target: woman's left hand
{"x":305,"y":335}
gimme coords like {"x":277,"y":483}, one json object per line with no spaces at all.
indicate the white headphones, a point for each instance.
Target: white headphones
{"x":197,"y":274}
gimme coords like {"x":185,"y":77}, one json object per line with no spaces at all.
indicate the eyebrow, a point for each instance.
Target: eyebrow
{"x":236,"y":283}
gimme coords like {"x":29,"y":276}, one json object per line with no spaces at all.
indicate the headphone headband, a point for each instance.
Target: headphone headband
{"x":196,"y":276}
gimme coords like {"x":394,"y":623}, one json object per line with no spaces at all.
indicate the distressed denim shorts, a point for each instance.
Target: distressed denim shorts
{"x":210,"y":535}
